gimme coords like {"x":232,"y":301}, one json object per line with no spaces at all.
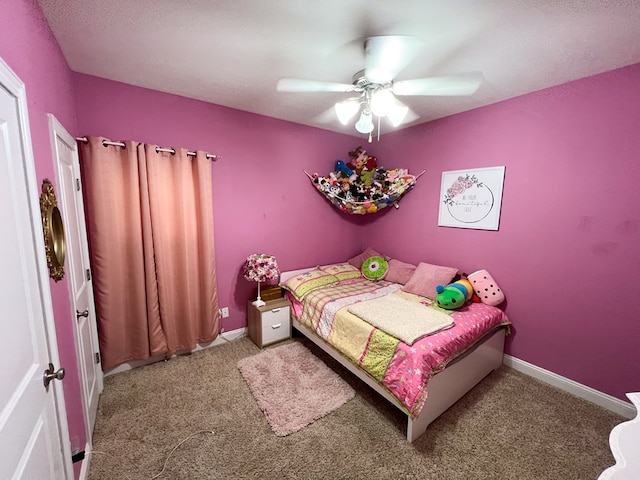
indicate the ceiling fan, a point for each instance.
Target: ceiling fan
{"x":375,"y":89}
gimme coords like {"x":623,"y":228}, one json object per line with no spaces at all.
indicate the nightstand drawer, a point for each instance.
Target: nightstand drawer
{"x":269,"y":323}
{"x":276,"y":325}
{"x":275,"y":315}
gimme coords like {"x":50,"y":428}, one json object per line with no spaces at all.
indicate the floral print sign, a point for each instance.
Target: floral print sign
{"x":471,"y":198}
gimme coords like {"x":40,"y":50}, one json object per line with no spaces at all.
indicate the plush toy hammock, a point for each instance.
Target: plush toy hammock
{"x":360,"y":198}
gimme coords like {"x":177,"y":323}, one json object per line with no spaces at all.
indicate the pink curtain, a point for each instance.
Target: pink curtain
{"x":150,"y":225}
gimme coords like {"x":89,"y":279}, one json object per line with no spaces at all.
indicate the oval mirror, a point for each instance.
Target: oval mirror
{"x":57,"y":236}
{"x":53,"y":227}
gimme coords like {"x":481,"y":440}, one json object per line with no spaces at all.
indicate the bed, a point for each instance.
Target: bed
{"x":422,"y":374}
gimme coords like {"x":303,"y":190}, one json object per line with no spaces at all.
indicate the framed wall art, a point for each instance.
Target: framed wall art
{"x":471,"y":198}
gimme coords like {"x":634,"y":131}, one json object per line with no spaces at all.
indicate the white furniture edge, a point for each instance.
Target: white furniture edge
{"x":603,"y":400}
{"x":625,"y":446}
{"x":444,"y":389}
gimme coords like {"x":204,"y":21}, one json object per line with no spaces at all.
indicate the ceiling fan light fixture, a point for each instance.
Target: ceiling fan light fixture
{"x":365,"y":123}
{"x":382,"y":102}
{"x":397,"y":114}
{"x":346,"y":109}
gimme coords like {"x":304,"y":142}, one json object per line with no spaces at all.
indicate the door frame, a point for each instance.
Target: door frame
{"x":16,"y":87}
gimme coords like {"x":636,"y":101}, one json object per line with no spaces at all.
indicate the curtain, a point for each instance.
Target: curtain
{"x":150,"y":227}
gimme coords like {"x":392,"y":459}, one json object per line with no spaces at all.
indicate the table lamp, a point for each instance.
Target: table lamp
{"x":260,"y":267}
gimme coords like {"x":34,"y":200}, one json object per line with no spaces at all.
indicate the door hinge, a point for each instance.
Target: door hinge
{"x":97,"y":357}
{"x":78,"y":184}
{"x":88,"y":275}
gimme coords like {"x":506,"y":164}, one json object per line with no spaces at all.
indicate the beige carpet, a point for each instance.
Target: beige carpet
{"x":293,"y":387}
{"x":508,"y":427}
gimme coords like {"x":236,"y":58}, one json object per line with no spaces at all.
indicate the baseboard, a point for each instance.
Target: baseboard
{"x":231,"y":335}
{"x":220,"y":340}
{"x":626,"y":409}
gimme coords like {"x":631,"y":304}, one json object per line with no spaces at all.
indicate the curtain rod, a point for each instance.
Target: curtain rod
{"x":210,"y":156}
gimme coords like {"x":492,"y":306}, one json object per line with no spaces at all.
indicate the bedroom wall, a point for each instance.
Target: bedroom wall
{"x":263,"y":202}
{"x":568,"y":247}
{"x":29,"y":48}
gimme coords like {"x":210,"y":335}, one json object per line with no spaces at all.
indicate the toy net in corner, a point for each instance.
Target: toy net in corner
{"x":359,"y":198}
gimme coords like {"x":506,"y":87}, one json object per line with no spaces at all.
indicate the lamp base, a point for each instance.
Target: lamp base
{"x":258,"y":302}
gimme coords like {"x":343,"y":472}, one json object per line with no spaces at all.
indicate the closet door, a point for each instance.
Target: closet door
{"x":84,"y":317}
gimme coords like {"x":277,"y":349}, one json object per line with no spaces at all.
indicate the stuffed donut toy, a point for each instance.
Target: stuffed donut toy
{"x":375,"y":268}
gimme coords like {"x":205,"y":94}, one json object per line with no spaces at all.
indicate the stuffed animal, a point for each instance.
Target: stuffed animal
{"x":366,"y":177}
{"x":355,"y":154}
{"x":454,"y":295}
{"x":361,"y":161}
{"x":346,"y":171}
{"x":486,"y":288}
{"x":372,"y":162}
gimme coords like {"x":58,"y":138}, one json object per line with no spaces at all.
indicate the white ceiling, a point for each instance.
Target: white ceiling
{"x":232,"y":52}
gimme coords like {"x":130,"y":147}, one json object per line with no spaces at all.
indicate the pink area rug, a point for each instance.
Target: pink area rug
{"x":293,"y":387}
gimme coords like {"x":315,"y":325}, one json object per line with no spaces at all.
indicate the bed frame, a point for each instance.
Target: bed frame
{"x":443,"y":390}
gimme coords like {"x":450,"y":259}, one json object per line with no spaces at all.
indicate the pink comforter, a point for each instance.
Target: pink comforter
{"x":402,"y":369}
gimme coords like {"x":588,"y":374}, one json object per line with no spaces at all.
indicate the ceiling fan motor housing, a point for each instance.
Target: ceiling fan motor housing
{"x":363,"y":84}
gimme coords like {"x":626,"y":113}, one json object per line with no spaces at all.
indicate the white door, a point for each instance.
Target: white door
{"x":65,"y":151}
{"x":34,"y":438}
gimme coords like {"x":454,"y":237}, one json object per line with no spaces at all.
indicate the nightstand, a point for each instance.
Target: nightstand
{"x":270,"y":323}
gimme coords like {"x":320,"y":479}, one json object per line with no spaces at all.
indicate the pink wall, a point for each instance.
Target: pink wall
{"x":569,"y":240}
{"x":29,"y":48}
{"x":263,"y":202}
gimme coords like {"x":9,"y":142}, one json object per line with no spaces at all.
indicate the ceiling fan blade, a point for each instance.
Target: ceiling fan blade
{"x":300,"y":85}
{"x":453,"y":85}
{"x":411,"y":116}
{"x":386,"y":56}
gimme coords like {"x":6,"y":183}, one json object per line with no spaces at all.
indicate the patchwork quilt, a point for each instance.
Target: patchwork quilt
{"x":403,"y":369}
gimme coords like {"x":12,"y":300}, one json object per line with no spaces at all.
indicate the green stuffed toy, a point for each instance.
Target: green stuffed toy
{"x":454,"y":295}
{"x":366,"y":177}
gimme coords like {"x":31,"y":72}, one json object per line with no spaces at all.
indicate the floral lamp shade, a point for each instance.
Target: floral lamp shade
{"x":260,"y":267}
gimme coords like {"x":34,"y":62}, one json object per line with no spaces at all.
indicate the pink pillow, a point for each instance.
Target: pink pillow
{"x":399,"y":272}
{"x":358,"y":260}
{"x":424,"y":280}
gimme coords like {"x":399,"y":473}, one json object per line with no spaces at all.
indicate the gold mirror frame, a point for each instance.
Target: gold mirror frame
{"x":54,"y":242}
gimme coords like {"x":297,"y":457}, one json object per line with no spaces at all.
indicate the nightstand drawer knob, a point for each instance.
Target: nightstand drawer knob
{"x":276,"y":326}
{"x":275,"y":310}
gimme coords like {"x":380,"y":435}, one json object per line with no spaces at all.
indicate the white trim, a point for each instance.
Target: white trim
{"x":86,"y":462}
{"x":220,"y":340}
{"x":613,"y":404}
{"x":229,"y":336}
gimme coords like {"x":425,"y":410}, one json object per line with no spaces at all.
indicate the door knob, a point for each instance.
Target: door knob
{"x":49,"y":375}
{"x":82,"y":314}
